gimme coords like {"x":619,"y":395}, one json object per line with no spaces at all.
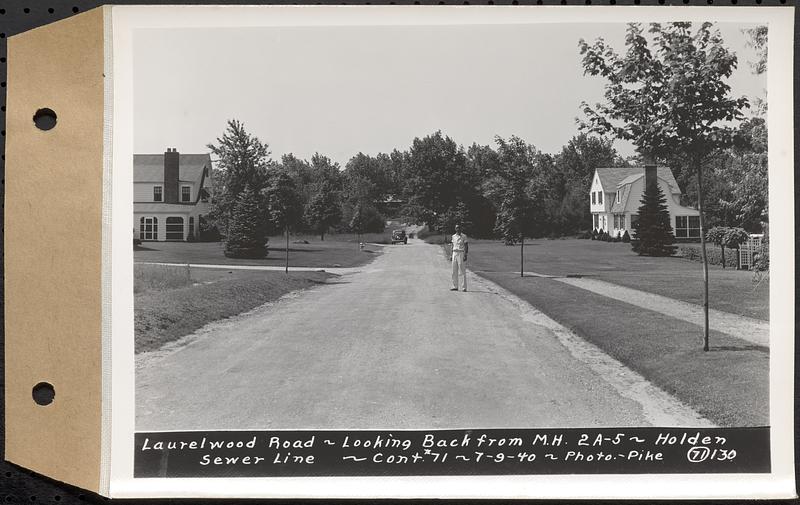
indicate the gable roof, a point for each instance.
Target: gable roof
{"x":623,"y":199}
{"x":150,"y":167}
{"x":613,"y":177}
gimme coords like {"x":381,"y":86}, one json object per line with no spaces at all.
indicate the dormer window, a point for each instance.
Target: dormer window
{"x":618,"y":196}
{"x":158,"y":194}
{"x":594,"y":198}
{"x":186,"y":194}
{"x":600,"y":197}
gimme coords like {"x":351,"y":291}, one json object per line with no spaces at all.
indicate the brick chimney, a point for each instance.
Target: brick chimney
{"x":650,"y":176}
{"x":171,"y":174}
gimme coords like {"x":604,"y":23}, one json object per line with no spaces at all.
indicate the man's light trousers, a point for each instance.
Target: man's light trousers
{"x":459,"y":268}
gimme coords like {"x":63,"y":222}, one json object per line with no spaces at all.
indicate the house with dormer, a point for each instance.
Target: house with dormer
{"x":616,"y":194}
{"x":171,"y":193}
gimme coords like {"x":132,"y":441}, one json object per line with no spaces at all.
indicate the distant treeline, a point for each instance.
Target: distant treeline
{"x":495,"y":190}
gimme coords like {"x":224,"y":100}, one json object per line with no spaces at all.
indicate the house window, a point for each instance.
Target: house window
{"x":158,"y":194}
{"x":687,"y":226}
{"x":619,"y":221}
{"x":618,"y":196}
{"x":596,"y":220}
{"x":186,"y":194}
{"x":148,"y":228}
{"x":174,"y":228}
{"x":594,"y":198}
{"x":600,"y":197}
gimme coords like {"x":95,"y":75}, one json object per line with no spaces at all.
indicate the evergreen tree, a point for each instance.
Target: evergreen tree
{"x":652,"y":235}
{"x":246,"y":237}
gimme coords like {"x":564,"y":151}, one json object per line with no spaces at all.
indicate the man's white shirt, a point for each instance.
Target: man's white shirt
{"x":459,"y":242}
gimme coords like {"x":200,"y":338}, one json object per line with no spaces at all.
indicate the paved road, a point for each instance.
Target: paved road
{"x":390,"y":346}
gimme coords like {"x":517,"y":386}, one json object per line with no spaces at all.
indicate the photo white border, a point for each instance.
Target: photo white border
{"x":778,"y":484}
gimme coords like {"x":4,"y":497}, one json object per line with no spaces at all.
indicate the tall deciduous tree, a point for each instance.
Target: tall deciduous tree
{"x":571,"y":179}
{"x":285,"y":206}
{"x":436,"y":176}
{"x":241,"y":160}
{"x":324,"y":210}
{"x":669,"y":96}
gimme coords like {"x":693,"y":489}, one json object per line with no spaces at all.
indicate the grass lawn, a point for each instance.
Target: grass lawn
{"x":729,"y":384}
{"x":171,"y":302}
{"x":729,"y":290}
{"x":341,"y":250}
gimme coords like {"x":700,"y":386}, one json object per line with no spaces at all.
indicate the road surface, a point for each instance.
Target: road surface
{"x":389,"y":346}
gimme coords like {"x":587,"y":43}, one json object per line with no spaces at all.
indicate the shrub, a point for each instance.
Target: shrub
{"x":626,"y":237}
{"x":208,"y":231}
{"x":593,"y":234}
{"x":761,"y":258}
{"x":713,"y":253}
{"x":723,"y":237}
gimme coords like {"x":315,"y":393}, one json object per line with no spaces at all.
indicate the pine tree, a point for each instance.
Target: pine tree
{"x":246,"y":237}
{"x":652,"y":235}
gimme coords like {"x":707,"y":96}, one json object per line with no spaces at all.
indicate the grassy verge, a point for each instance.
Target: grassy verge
{"x":729,"y":290}
{"x":166,"y":311}
{"x":729,"y":384}
{"x":304,"y":251}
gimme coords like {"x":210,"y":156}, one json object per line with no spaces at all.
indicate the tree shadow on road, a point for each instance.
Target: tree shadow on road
{"x":753,"y":347}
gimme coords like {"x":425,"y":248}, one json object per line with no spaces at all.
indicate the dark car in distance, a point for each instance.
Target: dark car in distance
{"x":399,"y":236}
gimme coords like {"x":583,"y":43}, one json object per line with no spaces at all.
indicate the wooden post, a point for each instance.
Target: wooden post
{"x":703,"y":252}
{"x":287,"y":249}
{"x":521,"y":255}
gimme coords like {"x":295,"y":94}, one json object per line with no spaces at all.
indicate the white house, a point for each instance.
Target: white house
{"x":616,"y":193}
{"x":171,"y":192}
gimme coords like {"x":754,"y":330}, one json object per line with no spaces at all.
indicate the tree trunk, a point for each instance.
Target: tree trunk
{"x":322,"y":236}
{"x":287,"y":249}
{"x":699,"y":168}
{"x":723,"y":256}
{"x":522,"y":255}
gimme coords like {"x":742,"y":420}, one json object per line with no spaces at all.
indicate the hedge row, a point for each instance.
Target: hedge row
{"x":713,"y":252}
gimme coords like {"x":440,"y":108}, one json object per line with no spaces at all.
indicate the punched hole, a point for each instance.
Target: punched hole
{"x":45,"y":119}
{"x":43,"y":393}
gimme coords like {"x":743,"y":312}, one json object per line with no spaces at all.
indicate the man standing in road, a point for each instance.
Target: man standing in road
{"x":459,"y":258}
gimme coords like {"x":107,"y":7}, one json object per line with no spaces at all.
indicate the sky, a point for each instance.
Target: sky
{"x":343,"y":90}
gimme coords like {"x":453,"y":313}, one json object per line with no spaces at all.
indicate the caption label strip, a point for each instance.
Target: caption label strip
{"x":451,"y":452}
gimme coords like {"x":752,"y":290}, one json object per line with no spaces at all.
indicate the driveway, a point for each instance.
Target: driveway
{"x":389,"y":346}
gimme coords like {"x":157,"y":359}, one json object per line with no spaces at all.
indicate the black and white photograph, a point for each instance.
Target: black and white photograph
{"x":496,"y":226}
